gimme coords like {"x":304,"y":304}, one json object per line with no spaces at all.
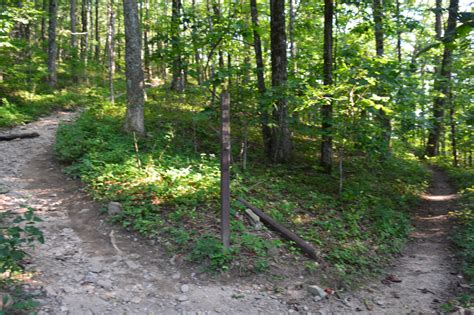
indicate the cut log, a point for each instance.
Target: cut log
{"x":14,"y":136}
{"x":289,"y":235}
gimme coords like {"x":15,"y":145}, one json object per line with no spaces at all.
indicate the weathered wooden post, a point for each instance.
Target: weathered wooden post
{"x":225,"y":169}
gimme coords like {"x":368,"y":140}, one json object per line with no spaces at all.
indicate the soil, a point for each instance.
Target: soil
{"x":90,"y":266}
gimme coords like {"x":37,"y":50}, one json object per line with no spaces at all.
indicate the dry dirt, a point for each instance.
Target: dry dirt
{"x":90,"y":266}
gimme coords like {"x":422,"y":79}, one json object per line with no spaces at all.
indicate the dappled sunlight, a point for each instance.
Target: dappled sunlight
{"x":439,"y":197}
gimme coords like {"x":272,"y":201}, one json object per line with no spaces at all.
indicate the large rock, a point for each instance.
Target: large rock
{"x":114,"y":208}
{"x":317,"y":291}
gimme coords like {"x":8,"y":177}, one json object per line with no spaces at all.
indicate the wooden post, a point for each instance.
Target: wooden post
{"x":225,"y":169}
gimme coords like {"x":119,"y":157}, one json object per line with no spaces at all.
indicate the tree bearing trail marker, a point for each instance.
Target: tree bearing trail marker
{"x":225,"y":169}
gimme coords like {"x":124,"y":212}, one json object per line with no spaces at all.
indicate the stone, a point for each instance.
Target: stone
{"x":4,"y":189}
{"x":182,"y":298}
{"x":104,"y":283}
{"x":254,"y":219}
{"x":184,"y":288}
{"x":96,"y":267}
{"x":114,"y":208}
{"x":176,"y":276}
{"x":84,"y":210}
{"x":317,"y":291}
{"x":132,"y":265}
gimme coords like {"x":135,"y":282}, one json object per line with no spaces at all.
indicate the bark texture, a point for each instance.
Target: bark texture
{"x":326,"y":110}
{"x":177,"y":82}
{"x":442,"y":84}
{"x":52,"y":45}
{"x":111,"y":48}
{"x":134,"y":120}
{"x":281,"y":145}
{"x":257,"y":44}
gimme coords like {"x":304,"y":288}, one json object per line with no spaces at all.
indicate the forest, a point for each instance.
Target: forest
{"x":332,"y":117}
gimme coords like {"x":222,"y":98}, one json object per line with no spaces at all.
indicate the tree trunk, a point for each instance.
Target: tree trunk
{"x":452,"y":122}
{"x":111,"y":48}
{"x":146,"y":50}
{"x":291,"y":35}
{"x":85,"y":35}
{"x":384,"y":120}
{"x":442,"y":85}
{"x":281,"y":145}
{"x":326,"y":110}
{"x":72,"y":13}
{"x":97,"y":32}
{"x":399,"y":34}
{"x":52,"y":45}
{"x":43,"y":21}
{"x":257,"y":44}
{"x":177,"y":81}
{"x":134,"y":120}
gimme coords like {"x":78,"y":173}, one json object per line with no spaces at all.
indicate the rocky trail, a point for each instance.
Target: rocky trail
{"x":89,"y":266}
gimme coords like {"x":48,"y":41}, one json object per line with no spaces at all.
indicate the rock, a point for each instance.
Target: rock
{"x":114,"y":208}
{"x":96,"y":267}
{"x":104,"y":283}
{"x":176,"y":276}
{"x":4,"y":189}
{"x":317,"y":291}
{"x":50,"y":291}
{"x":254,"y":219}
{"x":182,"y":298}
{"x":132,"y":265}
{"x":184,"y":288}
{"x":84,"y":210}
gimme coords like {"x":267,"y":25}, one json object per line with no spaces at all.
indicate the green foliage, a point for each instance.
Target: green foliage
{"x":15,"y":234}
{"x":18,"y":232}
{"x":169,"y":188}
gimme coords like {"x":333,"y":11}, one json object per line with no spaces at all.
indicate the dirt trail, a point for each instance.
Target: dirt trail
{"x":88,"y":266}
{"x":427,"y":268}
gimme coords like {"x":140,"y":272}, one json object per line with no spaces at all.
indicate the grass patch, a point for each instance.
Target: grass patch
{"x":169,"y":188}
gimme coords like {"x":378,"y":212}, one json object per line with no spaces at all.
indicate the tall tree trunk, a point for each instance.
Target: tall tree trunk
{"x":291,"y":35}
{"x":452,"y":122}
{"x":442,"y":84}
{"x":281,"y":145}
{"x":97,"y":32}
{"x":384,"y":120}
{"x":52,"y":45}
{"x":72,"y":13}
{"x":134,"y":120}
{"x":43,"y":20}
{"x":146,"y":48}
{"x":177,"y":81}
{"x":111,"y":47}
{"x":326,"y":110}
{"x":85,"y":35}
{"x":257,"y":44}
{"x":399,"y":33}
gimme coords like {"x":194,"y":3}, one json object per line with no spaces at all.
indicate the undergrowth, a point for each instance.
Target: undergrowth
{"x":169,"y":189}
{"x":21,"y":106}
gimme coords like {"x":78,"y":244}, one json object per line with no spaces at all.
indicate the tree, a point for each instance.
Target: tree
{"x":177,"y":82}
{"x":326,"y":110}
{"x":442,"y":82}
{"x":52,"y":45}
{"x":260,"y":70}
{"x":134,"y":120}
{"x":384,"y":120}
{"x":281,"y":144}
{"x":111,"y":47}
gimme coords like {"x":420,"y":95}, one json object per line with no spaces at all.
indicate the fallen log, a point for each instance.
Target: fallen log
{"x":289,"y":235}
{"x":14,"y":136}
